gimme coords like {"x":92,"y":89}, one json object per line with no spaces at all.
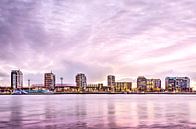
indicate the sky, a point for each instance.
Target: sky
{"x":125,"y":38}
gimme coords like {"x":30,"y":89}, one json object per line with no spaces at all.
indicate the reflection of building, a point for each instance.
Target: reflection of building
{"x":16,"y":79}
{"x":81,"y":81}
{"x":153,"y":84}
{"x":142,"y":83}
{"x":177,"y":84}
{"x":49,"y":81}
{"x":123,"y":86}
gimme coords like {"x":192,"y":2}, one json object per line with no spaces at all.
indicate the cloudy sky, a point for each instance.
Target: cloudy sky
{"x":127,"y":38}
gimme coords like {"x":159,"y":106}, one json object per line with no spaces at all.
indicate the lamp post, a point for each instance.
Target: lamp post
{"x":61,"y":78}
{"x":29,"y":84}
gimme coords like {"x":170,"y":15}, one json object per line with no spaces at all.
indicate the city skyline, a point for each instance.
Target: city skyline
{"x":124,"y":38}
{"x":142,"y":83}
{"x":179,"y":85}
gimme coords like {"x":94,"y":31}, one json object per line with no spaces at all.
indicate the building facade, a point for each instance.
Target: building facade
{"x":153,"y":85}
{"x":123,"y":86}
{"x":81,"y":81}
{"x":141,"y":83}
{"x":177,"y":84}
{"x":95,"y":87}
{"x":49,"y":81}
{"x":111,"y":80}
{"x":16,"y":79}
{"x":66,"y":88}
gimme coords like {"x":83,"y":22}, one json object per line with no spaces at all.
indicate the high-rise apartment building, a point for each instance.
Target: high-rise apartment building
{"x":49,"y":81}
{"x":141,"y":83}
{"x":111,"y":80}
{"x":16,"y":79}
{"x":81,"y":81}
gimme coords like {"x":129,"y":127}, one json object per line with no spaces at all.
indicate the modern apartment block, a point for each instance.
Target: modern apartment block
{"x":141,"y":83}
{"x":177,"y":83}
{"x":150,"y":85}
{"x":123,"y":86}
{"x":49,"y":81}
{"x":81,"y":81}
{"x":16,"y":79}
{"x":153,"y":84}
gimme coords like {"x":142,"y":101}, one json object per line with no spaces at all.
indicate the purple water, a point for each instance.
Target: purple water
{"x":98,"y":111}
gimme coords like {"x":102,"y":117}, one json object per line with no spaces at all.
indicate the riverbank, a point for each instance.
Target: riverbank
{"x":132,"y":93}
{"x":183,"y":93}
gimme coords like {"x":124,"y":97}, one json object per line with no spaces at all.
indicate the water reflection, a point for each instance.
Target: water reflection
{"x":50,"y":114}
{"x":98,"y":111}
{"x":111,"y":114}
{"x":16,"y":116}
{"x":142,"y":114}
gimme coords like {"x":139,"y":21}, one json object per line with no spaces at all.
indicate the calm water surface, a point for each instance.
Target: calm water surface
{"x":98,"y":111}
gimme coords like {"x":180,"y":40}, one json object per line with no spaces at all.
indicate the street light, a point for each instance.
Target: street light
{"x":61,"y":78}
{"x":29,"y":84}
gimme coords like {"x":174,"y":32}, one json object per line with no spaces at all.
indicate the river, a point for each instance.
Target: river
{"x":98,"y":111}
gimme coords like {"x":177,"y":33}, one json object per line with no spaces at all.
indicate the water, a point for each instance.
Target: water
{"x":98,"y":111}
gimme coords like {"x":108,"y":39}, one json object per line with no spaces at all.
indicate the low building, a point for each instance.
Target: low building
{"x":38,"y":87}
{"x":66,"y":88}
{"x":5,"y":90}
{"x":107,"y":89}
{"x":123,"y":86}
{"x":94,"y":87}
